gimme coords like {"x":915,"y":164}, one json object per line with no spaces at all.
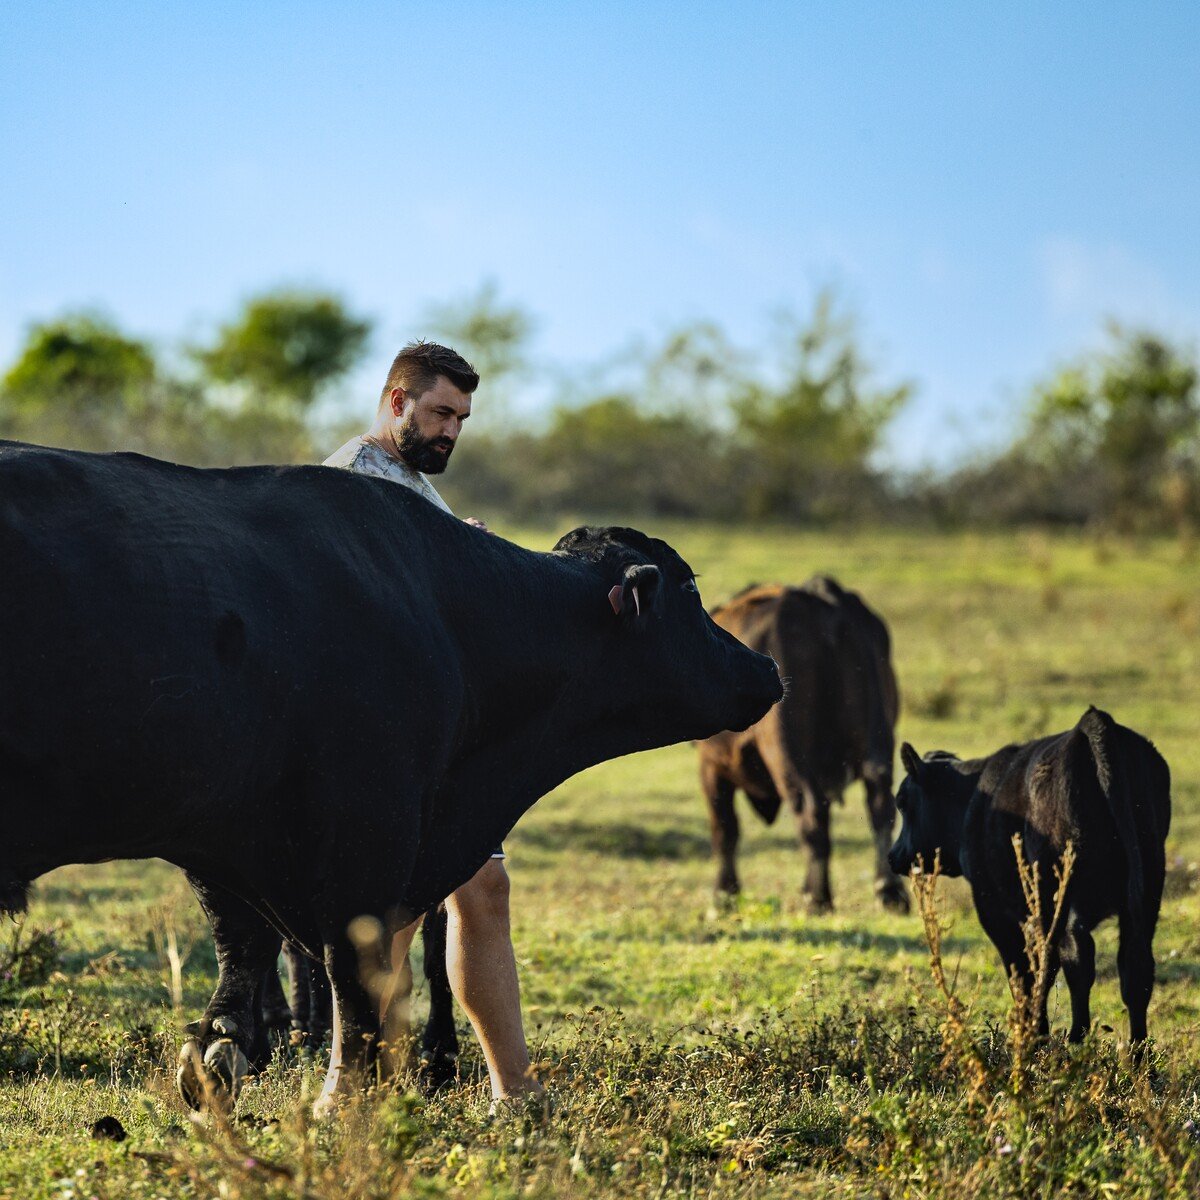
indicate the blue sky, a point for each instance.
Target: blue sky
{"x":984,"y":183}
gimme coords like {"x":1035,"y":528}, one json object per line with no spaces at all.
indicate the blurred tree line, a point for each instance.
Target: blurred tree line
{"x":691,"y":426}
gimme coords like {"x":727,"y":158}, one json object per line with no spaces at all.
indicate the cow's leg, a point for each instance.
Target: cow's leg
{"x":439,"y":1044}
{"x":299,"y":990}
{"x":811,"y":807}
{"x":1078,"y":953}
{"x":355,"y":1033}
{"x":231,"y":1037}
{"x":308,"y":995}
{"x":881,"y":808}
{"x":812,"y":818}
{"x":1053,"y":963}
{"x":1135,"y":966}
{"x":371,"y":990}
{"x":355,"y":1028}
{"x":1009,"y":939}
{"x":723,"y":824}
{"x":276,"y":1007}
{"x":320,"y":1003}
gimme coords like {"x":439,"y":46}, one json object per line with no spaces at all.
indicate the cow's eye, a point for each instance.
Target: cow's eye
{"x":689,"y":585}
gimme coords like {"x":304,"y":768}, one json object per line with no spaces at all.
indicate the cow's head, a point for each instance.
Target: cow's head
{"x":932,"y":802}
{"x":674,"y":673}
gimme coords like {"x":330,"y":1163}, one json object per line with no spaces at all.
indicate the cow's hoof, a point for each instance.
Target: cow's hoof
{"x":226,"y":1062}
{"x":729,"y":883}
{"x":191,"y":1079}
{"x":819,"y":906}
{"x":210,"y":1080}
{"x":893,"y":897}
{"x":724,"y":902}
{"x":437,"y":1071}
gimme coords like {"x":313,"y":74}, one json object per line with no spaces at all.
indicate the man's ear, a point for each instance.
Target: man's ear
{"x":398,"y":398}
{"x":636,"y":597}
{"x":911,"y":760}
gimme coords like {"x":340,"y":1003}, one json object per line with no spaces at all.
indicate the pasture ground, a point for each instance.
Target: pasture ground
{"x":758,"y":1052}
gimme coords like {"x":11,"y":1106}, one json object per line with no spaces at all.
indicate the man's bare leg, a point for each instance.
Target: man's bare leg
{"x":483,"y":977}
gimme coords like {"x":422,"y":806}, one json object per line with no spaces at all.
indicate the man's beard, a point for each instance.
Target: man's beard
{"x":428,"y":455}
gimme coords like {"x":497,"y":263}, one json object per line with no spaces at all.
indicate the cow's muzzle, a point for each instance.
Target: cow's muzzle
{"x":757,"y":695}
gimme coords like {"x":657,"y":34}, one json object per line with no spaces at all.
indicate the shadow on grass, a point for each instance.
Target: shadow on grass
{"x":624,"y":839}
{"x":815,"y":936}
{"x":617,"y":839}
{"x":1174,"y":970}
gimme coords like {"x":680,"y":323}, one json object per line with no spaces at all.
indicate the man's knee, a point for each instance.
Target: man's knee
{"x":484,"y":897}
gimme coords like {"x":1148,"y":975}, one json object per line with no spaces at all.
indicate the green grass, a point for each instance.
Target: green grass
{"x":751,"y":1053}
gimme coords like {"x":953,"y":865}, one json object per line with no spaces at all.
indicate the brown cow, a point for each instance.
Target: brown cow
{"x":835,"y":725}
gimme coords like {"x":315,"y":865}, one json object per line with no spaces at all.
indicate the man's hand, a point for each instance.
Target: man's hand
{"x":475,"y":523}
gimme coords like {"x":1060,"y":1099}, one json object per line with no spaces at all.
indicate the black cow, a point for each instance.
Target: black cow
{"x":835,"y":726}
{"x":1099,"y":786}
{"x":319,"y":695}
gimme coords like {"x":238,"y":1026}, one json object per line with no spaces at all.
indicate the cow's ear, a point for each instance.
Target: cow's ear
{"x":636,"y":596}
{"x":911,"y":760}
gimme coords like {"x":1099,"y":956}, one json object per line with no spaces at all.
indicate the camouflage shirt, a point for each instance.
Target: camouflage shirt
{"x":369,"y":458}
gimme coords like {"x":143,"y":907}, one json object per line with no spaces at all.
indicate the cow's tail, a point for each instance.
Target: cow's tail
{"x":1112,"y":770}
{"x":878,"y":708}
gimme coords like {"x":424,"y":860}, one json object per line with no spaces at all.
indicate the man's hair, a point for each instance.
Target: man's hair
{"x":418,"y":365}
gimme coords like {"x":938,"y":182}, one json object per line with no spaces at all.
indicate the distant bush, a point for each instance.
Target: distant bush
{"x":693,"y":427}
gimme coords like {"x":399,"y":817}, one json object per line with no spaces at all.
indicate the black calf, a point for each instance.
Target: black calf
{"x":1099,"y":786}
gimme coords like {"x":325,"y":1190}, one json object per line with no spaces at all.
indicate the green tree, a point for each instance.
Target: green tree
{"x":617,"y":454}
{"x":1130,"y":412}
{"x":286,"y":347}
{"x":79,"y":382}
{"x":809,"y":439}
{"x":78,"y":364}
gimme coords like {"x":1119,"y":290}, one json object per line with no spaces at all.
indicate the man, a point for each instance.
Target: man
{"x":425,"y":401}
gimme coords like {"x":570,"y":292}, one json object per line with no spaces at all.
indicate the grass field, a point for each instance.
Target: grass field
{"x":758,"y":1052}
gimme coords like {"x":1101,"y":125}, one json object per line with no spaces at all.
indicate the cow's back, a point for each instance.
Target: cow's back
{"x":172,"y":629}
{"x":1054,"y":791}
{"x":751,"y":614}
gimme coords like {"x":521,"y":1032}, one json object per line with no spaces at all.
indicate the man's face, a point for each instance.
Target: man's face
{"x":426,"y":427}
